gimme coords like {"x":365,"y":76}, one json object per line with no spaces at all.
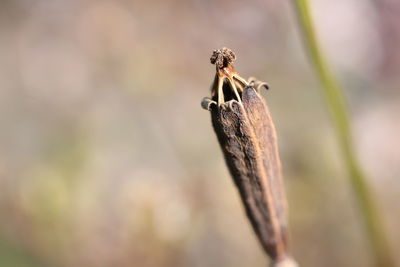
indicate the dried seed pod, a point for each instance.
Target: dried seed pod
{"x":247,"y":137}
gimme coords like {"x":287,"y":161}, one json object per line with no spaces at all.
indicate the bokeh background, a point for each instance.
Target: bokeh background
{"x":107,"y":159}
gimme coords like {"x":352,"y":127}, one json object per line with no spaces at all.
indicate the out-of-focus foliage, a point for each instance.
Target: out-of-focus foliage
{"x":107,"y":159}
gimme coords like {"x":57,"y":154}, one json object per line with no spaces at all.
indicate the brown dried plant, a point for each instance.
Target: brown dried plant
{"x":247,"y":136}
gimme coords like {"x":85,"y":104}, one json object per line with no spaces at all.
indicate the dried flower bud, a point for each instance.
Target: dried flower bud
{"x":222,"y":57}
{"x":247,"y":137}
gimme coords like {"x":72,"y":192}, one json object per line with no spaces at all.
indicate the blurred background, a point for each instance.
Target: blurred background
{"x":107,"y":159}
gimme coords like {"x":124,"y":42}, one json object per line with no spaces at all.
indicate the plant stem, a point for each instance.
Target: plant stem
{"x":335,"y":101}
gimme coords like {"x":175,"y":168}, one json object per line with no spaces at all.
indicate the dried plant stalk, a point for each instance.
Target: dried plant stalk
{"x":371,"y":214}
{"x":247,"y":137}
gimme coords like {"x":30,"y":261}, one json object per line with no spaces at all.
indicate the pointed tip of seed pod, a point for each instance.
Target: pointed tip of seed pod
{"x":207,"y":102}
{"x":257,"y":84}
{"x":222,"y":57}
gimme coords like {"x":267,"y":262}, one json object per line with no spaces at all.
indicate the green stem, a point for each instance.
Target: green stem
{"x":335,"y":101}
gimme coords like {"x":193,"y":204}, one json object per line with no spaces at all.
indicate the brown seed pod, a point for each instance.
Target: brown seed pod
{"x":247,"y":136}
